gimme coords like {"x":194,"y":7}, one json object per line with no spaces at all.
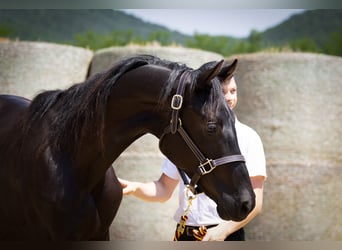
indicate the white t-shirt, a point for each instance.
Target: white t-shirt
{"x":203,"y":209}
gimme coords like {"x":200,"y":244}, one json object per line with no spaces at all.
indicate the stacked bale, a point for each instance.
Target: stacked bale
{"x":138,"y":220}
{"x":27,"y":68}
{"x":293,"y":100}
{"x":104,"y":58}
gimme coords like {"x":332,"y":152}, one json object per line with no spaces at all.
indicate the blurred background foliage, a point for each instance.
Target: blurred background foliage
{"x":318,"y":31}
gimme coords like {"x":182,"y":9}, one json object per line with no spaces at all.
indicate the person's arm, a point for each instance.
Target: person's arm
{"x":224,"y":229}
{"x":155,"y":191}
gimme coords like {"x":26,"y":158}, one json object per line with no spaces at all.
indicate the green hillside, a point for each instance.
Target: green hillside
{"x":60,"y":26}
{"x":317,"y":25}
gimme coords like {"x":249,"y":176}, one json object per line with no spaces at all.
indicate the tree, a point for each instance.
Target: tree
{"x":97,"y":41}
{"x":163,"y":37}
{"x":254,"y":40}
{"x":333,"y":46}
{"x":304,"y":44}
{"x":5,"y":31}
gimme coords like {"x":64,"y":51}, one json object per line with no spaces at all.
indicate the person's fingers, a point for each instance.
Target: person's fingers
{"x":126,"y":187}
{"x":200,"y":233}
{"x":197,"y":234}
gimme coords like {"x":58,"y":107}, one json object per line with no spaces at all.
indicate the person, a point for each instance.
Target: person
{"x":203,"y":209}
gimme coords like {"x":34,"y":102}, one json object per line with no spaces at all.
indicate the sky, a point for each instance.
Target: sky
{"x":228,"y":22}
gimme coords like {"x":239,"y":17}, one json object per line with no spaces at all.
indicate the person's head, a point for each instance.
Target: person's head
{"x":228,"y":83}
{"x":230,"y":92}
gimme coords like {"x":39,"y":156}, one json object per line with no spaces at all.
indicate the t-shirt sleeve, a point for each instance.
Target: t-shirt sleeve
{"x":170,"y":169}
{"x":255,"y":156}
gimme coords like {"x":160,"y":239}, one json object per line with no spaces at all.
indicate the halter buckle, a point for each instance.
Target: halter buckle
{"x":177,"y":102}
{"x":206,"y":167}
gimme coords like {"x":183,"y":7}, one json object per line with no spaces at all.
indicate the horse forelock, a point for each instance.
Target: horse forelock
{"x":215,"y":99}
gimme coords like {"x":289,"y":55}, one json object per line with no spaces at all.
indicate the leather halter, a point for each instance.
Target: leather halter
{"x":206,"y":165}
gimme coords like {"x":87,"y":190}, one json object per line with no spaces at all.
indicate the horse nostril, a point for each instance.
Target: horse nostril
{"x":247,"y":204}
{"x":246,"y":207}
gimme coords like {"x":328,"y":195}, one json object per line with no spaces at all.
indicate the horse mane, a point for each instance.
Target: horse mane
{"x":74,"y":112}
{"x":82,"y":107}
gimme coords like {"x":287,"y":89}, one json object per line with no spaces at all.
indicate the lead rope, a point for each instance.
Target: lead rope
{"x":199,"y":234}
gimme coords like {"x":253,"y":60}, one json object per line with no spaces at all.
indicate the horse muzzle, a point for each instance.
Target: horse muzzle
{"x":236,"y":208}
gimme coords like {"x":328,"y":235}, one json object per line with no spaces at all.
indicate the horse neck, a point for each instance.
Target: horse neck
{"x":133,"y":110}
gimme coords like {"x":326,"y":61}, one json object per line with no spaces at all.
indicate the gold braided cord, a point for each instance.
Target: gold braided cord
{"x":199,"y":234}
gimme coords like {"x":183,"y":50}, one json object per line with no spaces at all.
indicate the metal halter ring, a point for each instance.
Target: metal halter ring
{"x":177,"y":102}
{"x":203,"y":169}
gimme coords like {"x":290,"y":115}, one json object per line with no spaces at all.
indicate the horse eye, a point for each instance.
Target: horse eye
{"x":211,"y":127}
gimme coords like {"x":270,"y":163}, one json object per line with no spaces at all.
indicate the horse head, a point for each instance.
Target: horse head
{"x":201,"y":140}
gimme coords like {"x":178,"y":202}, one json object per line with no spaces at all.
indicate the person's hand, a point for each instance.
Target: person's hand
{"x":200,"y":233}
{"x":128,"y":187}
{"x":211,"y":234}
{"x":214,"y":234}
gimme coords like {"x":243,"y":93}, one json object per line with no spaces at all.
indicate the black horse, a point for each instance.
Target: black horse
{"x":56,"y":179}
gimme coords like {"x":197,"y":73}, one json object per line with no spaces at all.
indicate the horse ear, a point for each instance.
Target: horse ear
{"x":209,"y":71}
{"x":227,"y":71}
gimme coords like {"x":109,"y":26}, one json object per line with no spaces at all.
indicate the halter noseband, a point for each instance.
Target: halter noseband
{"x":206,"y":165}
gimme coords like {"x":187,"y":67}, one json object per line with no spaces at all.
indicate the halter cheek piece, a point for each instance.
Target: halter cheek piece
{"x":206,"y":165}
